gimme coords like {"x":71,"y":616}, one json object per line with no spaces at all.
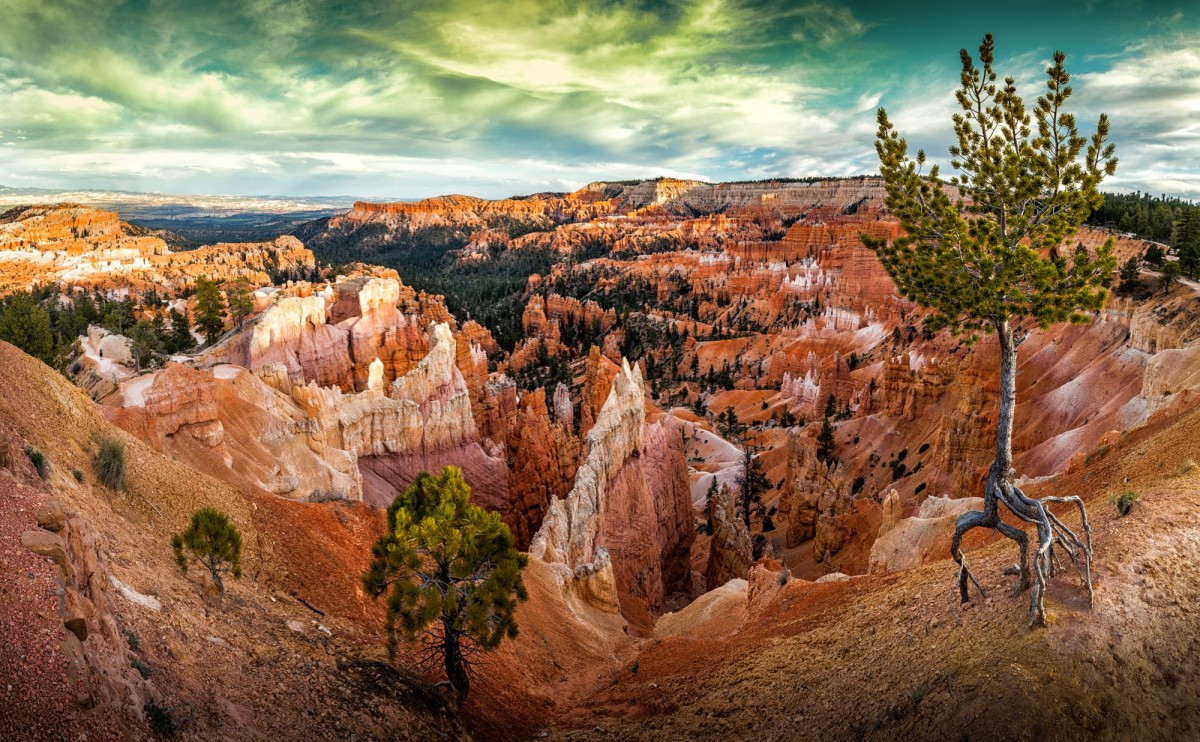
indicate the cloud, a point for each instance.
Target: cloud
{"x":408,"y":98}
{"x":1152,"y":97}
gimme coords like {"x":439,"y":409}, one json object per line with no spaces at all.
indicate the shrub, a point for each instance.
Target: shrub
{"x":142,"y":668}
{"x":38,"y":459}
{"x":161,"y":719}
{"x":109,"y":463}
{"x":1187,"y":467}
{"x":1125,"y":502}
{"x":132,"y":639}
{"x":78,"y":474}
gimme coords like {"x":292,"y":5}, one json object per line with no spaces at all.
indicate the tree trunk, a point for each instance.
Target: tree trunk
{"x":215,"y":571}
{"x":1050,"y":530}
{"x":456,"y":670}
{"x":1008,"y":399}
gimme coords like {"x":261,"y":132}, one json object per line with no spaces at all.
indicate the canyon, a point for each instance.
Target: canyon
{"x":679,"y":328}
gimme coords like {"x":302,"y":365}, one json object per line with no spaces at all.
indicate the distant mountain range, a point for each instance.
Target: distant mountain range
{"x":199,"y":218}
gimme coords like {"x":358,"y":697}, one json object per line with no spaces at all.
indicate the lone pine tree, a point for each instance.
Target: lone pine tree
{"x":451,"y":574}
{"x":980,"y":251}
{"x":213,"y":542}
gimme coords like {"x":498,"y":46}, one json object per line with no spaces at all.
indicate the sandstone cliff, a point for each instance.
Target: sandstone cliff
{"x":729,"y":555}
{"x":628,"y":519}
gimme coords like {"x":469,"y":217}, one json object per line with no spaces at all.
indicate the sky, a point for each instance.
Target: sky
{"x":405,"y":99}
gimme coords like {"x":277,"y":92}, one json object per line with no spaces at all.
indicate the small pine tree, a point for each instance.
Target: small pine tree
{"x":210,"y":310}
{"x":826,"y":444}
{"x":1170,"y":275}
{"x":213,"y":542}
{"x":451,"y":574}
{"x":708,"y":498}
{"x":1129,"y":272}
{"x":241,"y":303}
{"x":181,"y":339}
{"x":144,"y":343}
{"x":752,"y":482}
{"x":1154,"y":256}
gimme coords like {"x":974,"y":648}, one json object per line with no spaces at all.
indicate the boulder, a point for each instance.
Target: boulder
{"x":51,"y":516}
{"x":47,"y":544}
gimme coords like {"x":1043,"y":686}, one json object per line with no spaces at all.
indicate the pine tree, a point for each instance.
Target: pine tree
{"x":978,"y":259}
{"x":210,"y":310}
{"x":1129,"y":272}
{"x":752,"y":482}
{"x":241,"y":303}
{"x":708,"y":498}
{"x":1185,"y":236}
{"x":213,"y":542}
{"x":826,"y":445}
{"x":25,"y":324}
{"x":1170,"y":275}
{"x":451,"y":572}
{"x":181,"y":339}
{"x":144,"y":343}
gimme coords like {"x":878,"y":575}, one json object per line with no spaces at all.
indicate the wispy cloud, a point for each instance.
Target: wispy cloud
{"x":408,"y":98}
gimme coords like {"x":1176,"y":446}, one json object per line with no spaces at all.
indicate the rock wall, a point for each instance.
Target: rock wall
{"x":99,"y":663}
{"x":730,"y":552}
{"x":570,"y":531}
{"x":812,"y":489}
{"x":424,"y":422}
{"x":542,"y":459}
{"x":294,"y":335}
{"x":628,"y":518}
{"x":229,"y":423}
{"x":333,"y":337}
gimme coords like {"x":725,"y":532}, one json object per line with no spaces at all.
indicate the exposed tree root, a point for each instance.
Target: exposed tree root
{"x":1053,"y":536}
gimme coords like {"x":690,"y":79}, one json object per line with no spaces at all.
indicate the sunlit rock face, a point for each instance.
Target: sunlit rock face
{"x":293,"y":334}
{"x":422,"y":422}
{"x":229,"y":423}
{"x":629,"y":512}
{"x":75,"y":246}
